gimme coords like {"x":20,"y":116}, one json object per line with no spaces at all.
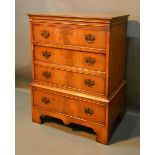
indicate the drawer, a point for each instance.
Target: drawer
{"x":70,"y":58}
{"x":89,"y":83}
{"x":92,"y":38}
{"x":70,"y":106}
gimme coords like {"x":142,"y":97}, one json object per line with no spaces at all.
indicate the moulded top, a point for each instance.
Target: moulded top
{"x":80,"y":15}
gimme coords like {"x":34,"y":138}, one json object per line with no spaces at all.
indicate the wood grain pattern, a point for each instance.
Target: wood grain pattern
{"x":113,"y":109}
{"x":117,"y":56}
{"x":70,"y":58}
{"x":68,"y":36}
{"x":70,"y":79}
{"x":71,"y":93}
{"x":78,"y":68}
{"x":83,"y":17}
{"x":69,"y":106}
{"x":70,"y":47}
{"x":71,"y":69}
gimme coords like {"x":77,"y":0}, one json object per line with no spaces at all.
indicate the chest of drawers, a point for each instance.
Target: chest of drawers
{"x":78,"y":69}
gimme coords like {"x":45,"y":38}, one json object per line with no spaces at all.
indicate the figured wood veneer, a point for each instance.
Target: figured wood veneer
{"x":70,"y":79}
{"x":69,"y":36}
{"x":78,"y":70}
{"x":67,"y":105}
{"x":70,"y":58}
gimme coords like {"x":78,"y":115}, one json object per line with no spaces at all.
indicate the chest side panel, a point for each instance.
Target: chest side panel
{"x":117,"y":55}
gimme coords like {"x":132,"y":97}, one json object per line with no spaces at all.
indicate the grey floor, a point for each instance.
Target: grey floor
{"x":54,"y":138}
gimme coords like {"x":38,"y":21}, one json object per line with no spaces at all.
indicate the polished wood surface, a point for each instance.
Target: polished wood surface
{"x":60,"y":34}
{"x":75,"y":94}
{"x":86,"y":110}
{"x":78,"y":68}
{"x":78,"y":15}
{"x":117,"y":56}
{"x":71,"y":58}
{"x":70,"y":79}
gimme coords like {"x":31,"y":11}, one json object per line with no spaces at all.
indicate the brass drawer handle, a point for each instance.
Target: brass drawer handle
{"x":89,"y":111}
{"x":90,"y":60}
{"x":45,"y":34}
{"x":46,"y":74}
{"x":89,"y":82}
{"x":45,"y":100}
{"x":46,"y":54}
{"x":90,"y":38}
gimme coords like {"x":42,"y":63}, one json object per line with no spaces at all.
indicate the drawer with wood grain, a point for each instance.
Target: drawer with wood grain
{"x":85,"y":110}
{"x":84,"y":82}
{"x":92,"y":38}
{"x":70,"y":58}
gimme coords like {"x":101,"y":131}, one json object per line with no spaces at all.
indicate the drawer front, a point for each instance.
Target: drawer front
{"x":70,"y":58}
{"x":69,"y":36}
{"x":83,"y":82}
{"x":69,"y":106}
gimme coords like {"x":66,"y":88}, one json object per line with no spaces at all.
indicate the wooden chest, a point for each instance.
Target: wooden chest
{"x":78,"y":69}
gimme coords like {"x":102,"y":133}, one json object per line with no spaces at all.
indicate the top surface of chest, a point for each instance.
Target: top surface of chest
{"x":91,"y":17}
